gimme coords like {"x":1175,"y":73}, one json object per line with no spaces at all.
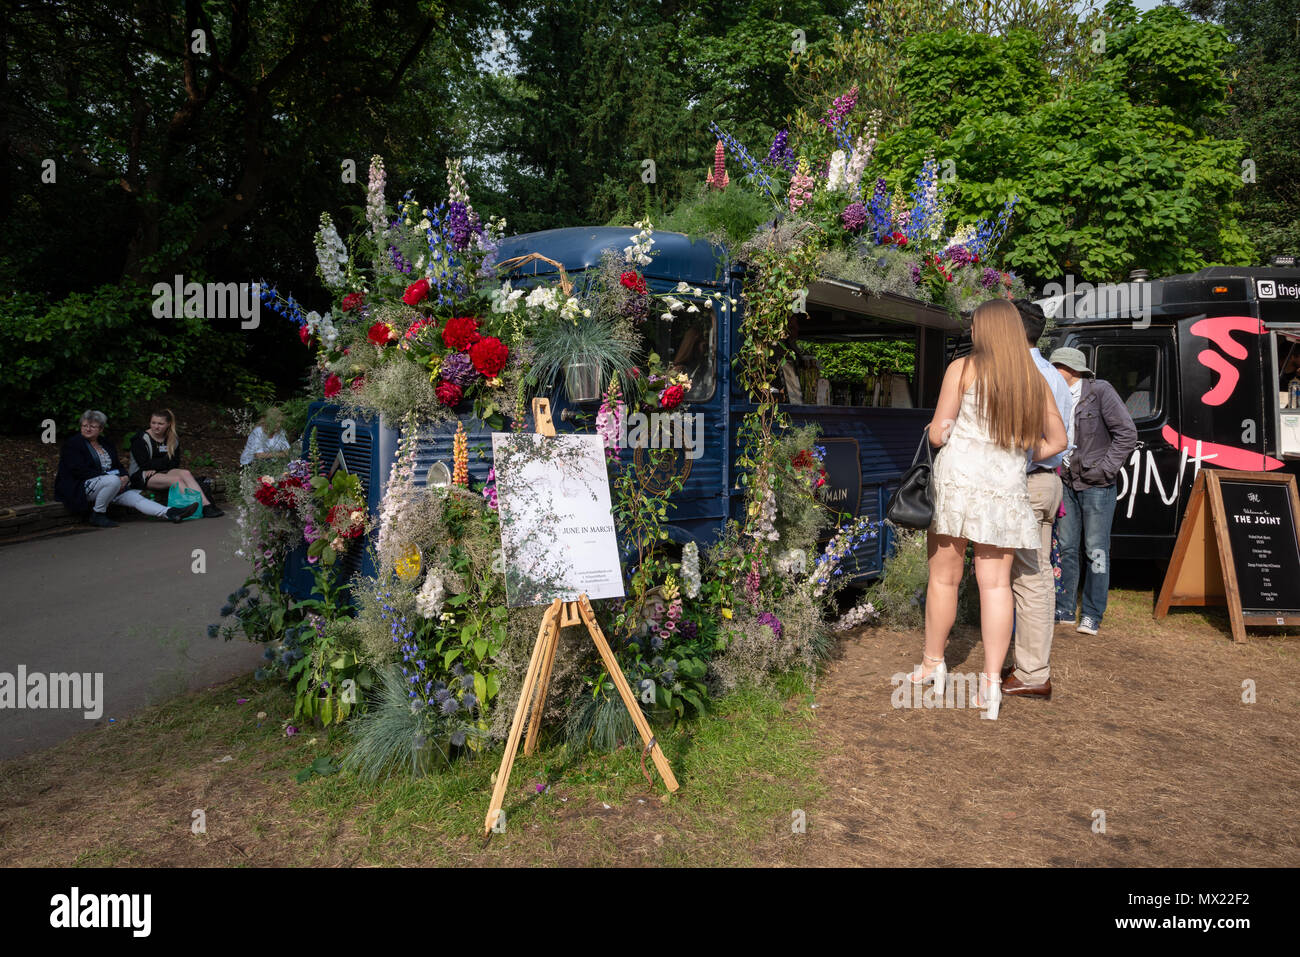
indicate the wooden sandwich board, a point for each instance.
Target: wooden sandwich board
{"x":1239,"y":545}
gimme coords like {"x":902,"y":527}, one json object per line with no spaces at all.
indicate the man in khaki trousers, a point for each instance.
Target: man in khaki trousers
{"x":1032,"y":581}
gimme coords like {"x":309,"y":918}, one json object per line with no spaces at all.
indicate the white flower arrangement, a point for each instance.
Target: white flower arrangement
{"x":430,"y":599}
{"x":864,"y":614}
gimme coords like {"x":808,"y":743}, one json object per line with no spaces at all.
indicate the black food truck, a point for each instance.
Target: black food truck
{"x":1208,"y":365}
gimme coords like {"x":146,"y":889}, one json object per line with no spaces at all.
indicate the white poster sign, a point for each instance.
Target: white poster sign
{"x":557,"y":526}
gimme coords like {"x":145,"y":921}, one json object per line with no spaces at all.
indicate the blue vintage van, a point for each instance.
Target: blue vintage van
{"x":868,"y":444}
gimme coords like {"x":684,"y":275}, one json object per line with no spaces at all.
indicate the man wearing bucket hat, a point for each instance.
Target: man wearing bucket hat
{"x":1103,"y":436}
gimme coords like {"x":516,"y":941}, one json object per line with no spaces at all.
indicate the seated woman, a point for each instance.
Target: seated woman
{"x":268,"y":439}
{"x":156,"y":460}
{"x":90,"y":477}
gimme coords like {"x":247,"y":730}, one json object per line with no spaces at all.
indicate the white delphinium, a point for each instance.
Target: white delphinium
{"x":862,"y":152}
{"x":375,"y":214}
{"x":331,"y":254}
{"x":638,"y":254}
{"x":398,"y":495}
{"x":691,"y":570}
{"x":835,"y":175}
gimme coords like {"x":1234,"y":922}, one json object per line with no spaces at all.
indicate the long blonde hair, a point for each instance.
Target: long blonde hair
{"x":173,"y":438}
{"x":1008,"y":386}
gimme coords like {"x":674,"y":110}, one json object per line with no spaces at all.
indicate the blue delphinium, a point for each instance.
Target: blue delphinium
{"x":753,"y":169}
{"x":878,"y":209}
{"x":925,"y":201}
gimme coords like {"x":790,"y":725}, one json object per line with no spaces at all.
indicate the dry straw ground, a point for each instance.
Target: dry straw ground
{"x":1147,"y":725}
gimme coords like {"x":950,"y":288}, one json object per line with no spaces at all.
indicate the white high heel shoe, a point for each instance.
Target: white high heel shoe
{"x":990,"y":696}
{"x":938,"y":677}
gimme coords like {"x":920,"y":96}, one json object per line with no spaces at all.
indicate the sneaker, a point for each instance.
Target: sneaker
{"x":211,"y":511}
{"x":179,"y":515}
{"x":1088,"y":626}
{"x":1065,"y":621}
{"x":100,"y":520}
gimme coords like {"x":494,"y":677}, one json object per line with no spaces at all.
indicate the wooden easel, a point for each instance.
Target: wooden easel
{"x":562,"y":614}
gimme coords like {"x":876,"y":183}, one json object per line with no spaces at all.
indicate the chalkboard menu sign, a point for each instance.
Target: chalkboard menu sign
{"x":1239,"y":545}
{"x":1265,"y":550}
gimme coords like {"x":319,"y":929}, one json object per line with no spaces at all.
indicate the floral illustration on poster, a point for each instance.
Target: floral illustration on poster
{"x":557,"y":525}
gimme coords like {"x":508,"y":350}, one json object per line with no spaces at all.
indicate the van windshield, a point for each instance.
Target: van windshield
{"x":688,"y":342}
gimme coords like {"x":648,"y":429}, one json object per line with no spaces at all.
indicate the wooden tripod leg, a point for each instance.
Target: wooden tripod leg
{"x":550,"y":620}
{"x":634,"y":709}
{"x":543,"y":684}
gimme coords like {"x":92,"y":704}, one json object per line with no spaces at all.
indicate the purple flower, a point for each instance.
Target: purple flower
{"x":780,"y":155}
{"x":854,"y":217}
{"x":990,"y":278}
{"x":459,"y":225}
{"x":769,"y":619}
{"x":458,"y":369}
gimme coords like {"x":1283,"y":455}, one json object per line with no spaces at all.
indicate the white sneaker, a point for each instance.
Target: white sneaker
{"x":1087,"y":626}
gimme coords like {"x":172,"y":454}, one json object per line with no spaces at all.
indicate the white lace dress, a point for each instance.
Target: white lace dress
{"x":980,"y":490}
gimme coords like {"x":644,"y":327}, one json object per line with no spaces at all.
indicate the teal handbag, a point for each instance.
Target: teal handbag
{"x":178,"y":497}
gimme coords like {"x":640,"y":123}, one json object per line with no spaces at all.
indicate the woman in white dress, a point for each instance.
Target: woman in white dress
{"x":994,"y":415}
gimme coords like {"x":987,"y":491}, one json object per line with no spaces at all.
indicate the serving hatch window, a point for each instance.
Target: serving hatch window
{"x":688,"y":342}
{"x":851,"y":361}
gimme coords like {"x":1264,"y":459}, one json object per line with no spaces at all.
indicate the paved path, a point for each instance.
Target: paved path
{"x":122,"y":601}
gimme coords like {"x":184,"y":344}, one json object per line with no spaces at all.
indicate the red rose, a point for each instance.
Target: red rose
{"x":333,"y":386}
{"x":304,"y":334}
{"x":671,"y":397}
{"x":353,"y":300}
{"x":448,"y":393}
{"x":416,"y":292}
{"x":631,"y":280}
{"x":489,"y":356}
{"x":460,"y":333}
{"x":900,"y":239}
{"x":358,"y":383}
{"x":381,"y":333}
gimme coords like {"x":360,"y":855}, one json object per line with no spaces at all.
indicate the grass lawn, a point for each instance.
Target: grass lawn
{"x":125,"y":795}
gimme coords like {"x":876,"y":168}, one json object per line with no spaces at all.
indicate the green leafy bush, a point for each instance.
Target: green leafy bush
{"x":100,"y":350}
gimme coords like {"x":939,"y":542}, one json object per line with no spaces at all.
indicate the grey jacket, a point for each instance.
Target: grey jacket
{"x":1104,"y":437}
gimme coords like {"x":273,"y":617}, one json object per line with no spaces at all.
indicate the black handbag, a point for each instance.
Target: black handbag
{"x":912,"y":504}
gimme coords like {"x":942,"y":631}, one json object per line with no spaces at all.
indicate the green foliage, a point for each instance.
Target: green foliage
{"x":101,"y":350}
{"x":1263,"y":102}
{"x":1113,"y":172}
{"x":727,"y":215}
{"x":857,"y":360}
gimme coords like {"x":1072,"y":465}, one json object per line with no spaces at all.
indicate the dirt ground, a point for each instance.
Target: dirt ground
{"x":1147,"y":724}
{"x":209,"y":445}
